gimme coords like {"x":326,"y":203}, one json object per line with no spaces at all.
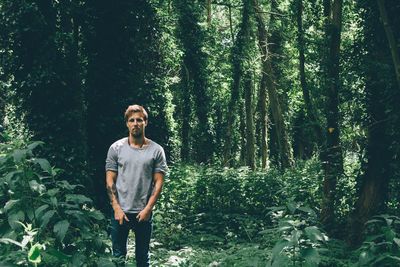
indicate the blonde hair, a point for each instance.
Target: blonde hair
{"x":133,"y":109}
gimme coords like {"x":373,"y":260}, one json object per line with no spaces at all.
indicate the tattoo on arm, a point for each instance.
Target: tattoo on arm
{"x":112,"y":193}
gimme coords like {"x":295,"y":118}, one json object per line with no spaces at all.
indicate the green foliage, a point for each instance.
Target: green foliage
{"x":382,"y":244}
{"x":301,"y":242}
{"x":44,"y":219}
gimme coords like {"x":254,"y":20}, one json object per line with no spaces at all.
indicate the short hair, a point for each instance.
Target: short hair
{"x":133,"y":109}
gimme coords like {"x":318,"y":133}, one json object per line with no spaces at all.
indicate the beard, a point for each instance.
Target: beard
{"x":136,"y":133}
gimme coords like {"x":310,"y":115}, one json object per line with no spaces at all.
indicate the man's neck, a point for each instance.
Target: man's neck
{"x":138,"y":142}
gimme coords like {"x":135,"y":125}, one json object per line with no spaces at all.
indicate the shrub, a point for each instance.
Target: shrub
{"x":44,"y":219}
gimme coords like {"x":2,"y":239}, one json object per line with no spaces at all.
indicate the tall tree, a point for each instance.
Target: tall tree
{"x":263,"y":97}
{"x":382,"y":100}
{"x":250,"y":138}
{"x":239,"y":51}
{"x":285,"y":151}
{"x":192,"y":38}
{"x":310,"y":110}
{"x":333,"y":159}
{"x":393,"y":44}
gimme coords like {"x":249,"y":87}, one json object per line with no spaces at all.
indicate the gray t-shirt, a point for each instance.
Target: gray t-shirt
{"x":135,"y":168}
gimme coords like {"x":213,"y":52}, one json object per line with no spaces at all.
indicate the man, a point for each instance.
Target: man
{"x":135,"y":169}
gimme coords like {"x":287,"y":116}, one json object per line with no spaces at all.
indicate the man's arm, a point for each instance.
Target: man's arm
{"x":158,"y":179}
{"x":111,"y":178}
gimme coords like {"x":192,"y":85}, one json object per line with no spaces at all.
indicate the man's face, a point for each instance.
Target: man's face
{"x":136,"y":124}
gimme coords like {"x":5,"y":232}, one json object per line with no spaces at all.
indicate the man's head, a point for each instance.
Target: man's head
{"x":135,"y":109}
{"x":136,"y":120}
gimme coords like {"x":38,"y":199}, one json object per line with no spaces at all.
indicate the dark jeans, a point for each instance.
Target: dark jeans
{"x":119,"y":237}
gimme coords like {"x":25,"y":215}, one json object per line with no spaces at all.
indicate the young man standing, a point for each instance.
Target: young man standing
{"x":135,"y":169}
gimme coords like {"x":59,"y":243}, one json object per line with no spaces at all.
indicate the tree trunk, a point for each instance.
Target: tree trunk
{"x":186,"y":114}
{"x":195,"y":60}
{"x":238,"y":52}
{"x":250,"y":140}
{"x":311,"y":113}
{"x":286,"y":157}
{"x":333,"y":161}
{"x":209,"y":12}
{"x":378,"y":167}
{"x":391,"y":39}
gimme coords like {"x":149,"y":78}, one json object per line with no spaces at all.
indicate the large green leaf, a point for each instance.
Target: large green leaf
{"x":16,"y":217}
{"x":12,"y":241}
{"x":311,"y":256}
{"x":314,"y":234}
{"x":10,"y":204}
{"x":46,"y":218}
{"x":77,"y":198}
{"x":19,"y":154}
{"x":34,"y":254}
{"x":57,"y":254}
{"x":36,"y":187}
{"x":39,"y":210}
{"x":33,"y":145}
{"x":44,"y":164}
{"x":279,"y":246}
{"x":96,"y":215}
{"x":60,"y":229}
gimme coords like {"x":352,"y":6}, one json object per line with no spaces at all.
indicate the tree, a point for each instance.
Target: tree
{"x":239,"y":53}
{"x":332,"y":154}
{"x":382,"y":149}
{"x":285,"y":151}
{"x":196,"y":77}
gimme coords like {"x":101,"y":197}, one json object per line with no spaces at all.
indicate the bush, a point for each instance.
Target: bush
{"x":44,"y":219}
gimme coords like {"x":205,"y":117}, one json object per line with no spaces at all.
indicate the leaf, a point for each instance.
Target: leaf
{"x":60,"y":229}
{"x":279,"y":246}
{"x":307,"y":210}
{"x":35,"y":144}
{"x":10,"y":204}
{"x":66,"y":185}
{"x":36,"y":187}
{"x":34,"y":254}
{"x":291,"y":206}
{"x":9,"y":240}
{"x":19,"y":154}
{"x":14,"y":218}
{"x":364,"y":258}
{"x":52,"y":192}
{"x":396,"y":241}
{"x":390,"y":234}
{"x":77,"y":198}
{"x":314,"y":234}
{"x":39,"y":210}
{"x":46,"y":218}
{"x":58,"y":254}
{"x":44,"y":165}
{"x":95,"y":214}
{"x":311,"y":256}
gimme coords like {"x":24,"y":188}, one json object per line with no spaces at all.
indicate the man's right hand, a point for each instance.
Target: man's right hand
{"x":120,"y":215}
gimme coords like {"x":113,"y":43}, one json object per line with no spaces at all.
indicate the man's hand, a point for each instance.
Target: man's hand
{"x":144,"y":215}
{"x":120,"y":215}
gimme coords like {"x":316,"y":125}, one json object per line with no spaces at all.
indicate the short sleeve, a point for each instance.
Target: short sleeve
{"x":112,"y":159}
{"x":160,"y":162}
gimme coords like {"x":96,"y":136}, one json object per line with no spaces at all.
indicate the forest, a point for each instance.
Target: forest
{"x":278,"y":119}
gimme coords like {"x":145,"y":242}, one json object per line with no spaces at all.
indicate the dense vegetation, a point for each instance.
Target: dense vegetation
{"x":280,"y":121}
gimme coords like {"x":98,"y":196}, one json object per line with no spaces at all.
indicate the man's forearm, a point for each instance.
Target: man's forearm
{"x":156,"y":192}
{"x":112,"y":194}
{"x":112,"y":189}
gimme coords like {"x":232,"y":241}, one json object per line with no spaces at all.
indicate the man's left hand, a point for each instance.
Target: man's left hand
{"x":143,"y":215}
